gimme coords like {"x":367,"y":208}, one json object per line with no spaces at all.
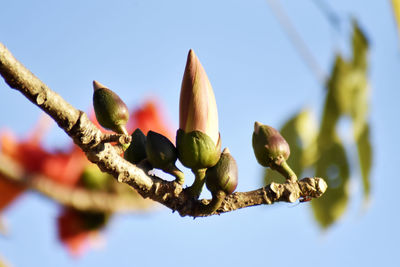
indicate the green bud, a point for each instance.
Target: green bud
{"x":111,"y":111}
{"x":160,"y":151}
{"x":272,"y":150}
{"x":224,"y":175}
{"x":136,"y":151}
{"x":269,"y":146}
{"x":196,"y":150}
{"x":162,"y":154}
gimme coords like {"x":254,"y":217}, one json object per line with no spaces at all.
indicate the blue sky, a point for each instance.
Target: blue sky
{"x":139,"y":49}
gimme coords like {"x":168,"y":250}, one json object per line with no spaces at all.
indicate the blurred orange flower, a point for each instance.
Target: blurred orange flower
{"x":150,"y":117}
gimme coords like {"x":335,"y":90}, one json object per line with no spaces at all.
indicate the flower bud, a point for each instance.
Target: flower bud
{"x":198,"y":139}
{"x":136,"y":151}
{"x":111,"y":111}
{"x":160,"y":151}
{"x":224,"y":175}
{"x":196,"y":150}
{"x":162,"y":154}
{"x":269,"y":146}
{"x":272,"y":150}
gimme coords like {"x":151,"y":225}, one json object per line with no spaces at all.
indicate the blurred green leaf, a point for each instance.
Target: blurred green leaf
{"x":360,"y":106}
{"x":330,"y":118}
{"x":365,"y":158}
{"x":339,"y":92}
{"x":323,"y":151}
{"x":360,"y":47}
{"x":333,"y":166}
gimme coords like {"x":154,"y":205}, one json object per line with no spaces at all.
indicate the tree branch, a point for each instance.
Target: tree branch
{"x":77,"y":198}
{"x":90,"y":139}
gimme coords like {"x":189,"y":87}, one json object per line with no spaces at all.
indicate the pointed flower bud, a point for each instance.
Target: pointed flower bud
{"x":198,"y":139}
{"x":136,"y":151}
{"x":272,"y":150}
{"x":224,"y":175}
{"x":162,"y":154}
{"x":111,"y":111}
{"x":197,"y":105}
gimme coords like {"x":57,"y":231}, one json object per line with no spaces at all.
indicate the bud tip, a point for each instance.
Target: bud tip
{"x":97,"y":85}
{"x":257,"y":126}
{"x":191,"y":53}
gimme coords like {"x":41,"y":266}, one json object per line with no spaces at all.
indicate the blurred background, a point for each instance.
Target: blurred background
{"x":324,"y":72}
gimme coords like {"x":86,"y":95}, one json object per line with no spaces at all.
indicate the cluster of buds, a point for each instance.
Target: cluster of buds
{"x":112,"y":113}
{"x":198,"y":141}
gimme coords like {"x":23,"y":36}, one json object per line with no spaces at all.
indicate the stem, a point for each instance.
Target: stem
{"x":214,"y":204}
{"x":179,"y":176}
{"x":122,"y":130}
{"x":286,"y":171}
{"x":195,"y":189}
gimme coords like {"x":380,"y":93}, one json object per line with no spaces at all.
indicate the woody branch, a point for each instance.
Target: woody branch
{"x":91,"y":140}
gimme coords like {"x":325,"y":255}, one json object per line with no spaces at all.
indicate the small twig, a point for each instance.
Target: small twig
{"x":287,"y":192}
{"x":118,"y":138}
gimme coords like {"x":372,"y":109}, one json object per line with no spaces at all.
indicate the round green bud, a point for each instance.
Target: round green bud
{"x":196,"y":150}
{"x":111,"y":112}
{"x":161,"y":153}
{"x":224,"y":175}
{"x":270,"y":148}
{"x":136,"y":151}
